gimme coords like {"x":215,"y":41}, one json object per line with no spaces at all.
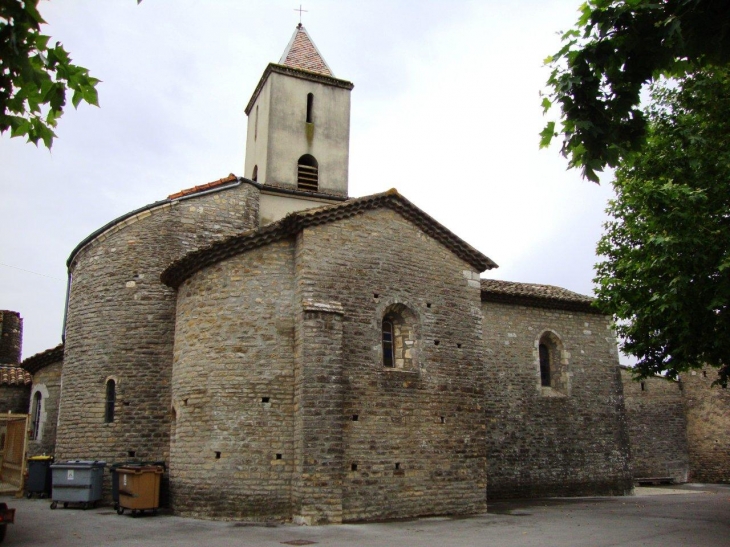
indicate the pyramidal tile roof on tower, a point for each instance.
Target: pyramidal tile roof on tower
{"x":303,"y":54}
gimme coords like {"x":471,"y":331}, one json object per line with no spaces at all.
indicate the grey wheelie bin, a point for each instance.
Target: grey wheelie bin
{"x":77,"y":481}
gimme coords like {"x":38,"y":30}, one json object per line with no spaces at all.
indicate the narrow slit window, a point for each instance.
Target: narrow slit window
{"x":387,"y":344}
{"x":310,"y":105}
{"x":544,"y":365}
{"x":255,"y":174}
{"x":111,"y":397}
{"x":36,"y":416}
{"x":308,"y":173}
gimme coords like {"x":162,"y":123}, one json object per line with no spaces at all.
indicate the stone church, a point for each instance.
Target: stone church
{"x":293,"y":353}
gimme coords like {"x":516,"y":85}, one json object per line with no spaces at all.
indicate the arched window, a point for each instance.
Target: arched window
{"x":307,"y":173}
{"x":553,"y":365}
{"x":399,"y":338}
{"x":388,"y":360}
{"x":35,"y":416}
{"x":310,"y":105}
{"x":111,"y":397}
{"x":255,"y":174}
{"x":544,"y":365}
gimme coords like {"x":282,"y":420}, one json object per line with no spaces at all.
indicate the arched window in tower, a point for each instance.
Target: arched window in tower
{"x":255,"y":174}
{"x":111,"y":397}
{"x":35,"y":416}
{"x":544,"y":365}
{"x":307,"y":173}
{"x":310,"y":105}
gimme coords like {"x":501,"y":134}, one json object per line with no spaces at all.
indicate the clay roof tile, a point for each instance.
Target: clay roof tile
{"x":202,"y":187}
{"x":301,"y":53}
{"x":14,"y":376}
{"x":533,"y":294}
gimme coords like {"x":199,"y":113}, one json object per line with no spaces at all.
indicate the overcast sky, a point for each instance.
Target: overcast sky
{"x":445,"y":108}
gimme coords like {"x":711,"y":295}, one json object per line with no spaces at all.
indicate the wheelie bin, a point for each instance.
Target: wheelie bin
{"x":39,"y":476}
{"x":77,"y":481}
{"x":139,"y":488}
{"x":115,"y":478}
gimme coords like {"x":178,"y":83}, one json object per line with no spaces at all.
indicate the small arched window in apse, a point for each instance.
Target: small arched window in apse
{"x":36,"y":416}
{"x":388,"y":343}
{"x":110,"y":401}
{"x":544,"y":365}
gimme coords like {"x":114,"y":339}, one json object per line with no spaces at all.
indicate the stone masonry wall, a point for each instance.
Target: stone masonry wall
{"x":657,"y":427}
{"x":708,"y":426}
{"x":541,"y":442}
{"x":48,"y":381}
{"x":120,"y":325}
{"x":413,"y":441}
{"x":232,"y":451}
{"x":14,"y":398}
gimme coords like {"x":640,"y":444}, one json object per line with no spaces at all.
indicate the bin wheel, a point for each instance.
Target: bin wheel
{"x":29,"y":495}
{"x":65,"y":504}
{"x":134,"y":513}
{"x":120,"y":510}
{"x":54,"y":504}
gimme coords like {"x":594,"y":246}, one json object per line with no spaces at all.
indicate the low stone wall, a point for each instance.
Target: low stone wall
{"x":708,"y":426}
{"x":657,"y":427}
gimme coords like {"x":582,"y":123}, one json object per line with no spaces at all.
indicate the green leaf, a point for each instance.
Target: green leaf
{"x":547,"y":134}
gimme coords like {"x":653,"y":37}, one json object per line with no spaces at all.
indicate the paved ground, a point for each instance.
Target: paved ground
{"x":691,"y":515}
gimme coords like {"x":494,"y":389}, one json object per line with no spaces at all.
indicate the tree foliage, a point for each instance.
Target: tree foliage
{"x":666,"y":269}
{"x":34,"y":77}
{"x":616,"y":47}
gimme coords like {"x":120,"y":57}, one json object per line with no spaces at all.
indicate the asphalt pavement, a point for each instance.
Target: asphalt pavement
{"x":684,"y":516}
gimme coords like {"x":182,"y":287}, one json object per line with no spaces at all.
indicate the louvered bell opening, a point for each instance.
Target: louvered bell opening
{"x":307,"y":178}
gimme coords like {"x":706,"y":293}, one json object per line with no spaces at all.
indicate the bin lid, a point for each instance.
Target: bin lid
{"x":138,"y":469}
{"x":78,"y":464}
{"x":40,"y":458}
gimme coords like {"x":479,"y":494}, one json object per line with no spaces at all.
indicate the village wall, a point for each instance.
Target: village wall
{"x":412,"y":436}
{"x":553,"y":442}
{"x":232,"y":449}
{"x":707,"y":409}
{"x":120,"y":325}
{"x":657,"y":427}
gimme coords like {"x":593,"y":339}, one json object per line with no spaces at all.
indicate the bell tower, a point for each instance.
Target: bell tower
{"x":298,"y":136}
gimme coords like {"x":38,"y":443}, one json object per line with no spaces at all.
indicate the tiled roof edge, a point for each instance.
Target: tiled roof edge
{"x":153,"y":206}
{"x":178,"y":271}
{"x":14,"y":375}
{"x":296,"y":73}
{"x":41,"y":360}
{"x":509,"y":292}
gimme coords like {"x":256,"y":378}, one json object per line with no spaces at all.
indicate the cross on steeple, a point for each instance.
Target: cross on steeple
{"x":300,"y":10}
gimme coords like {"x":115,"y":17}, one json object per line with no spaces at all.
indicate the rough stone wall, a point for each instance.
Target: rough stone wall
{"x":657,"y":427}
{"x":232,"y":451}
{"x":417,"y":444}
{"x":541,"y":442}
{"x":48,"y":381}
{"x":14,"y":398}
{"x":11,"y":337}
{"x":708,"y":426}
{"x":120,"y":325}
